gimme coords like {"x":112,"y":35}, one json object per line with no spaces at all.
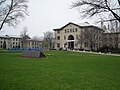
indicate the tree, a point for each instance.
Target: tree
{"x":99,"y":7}
{"x":25,"y":36}
{"x":4,"y":45}
{"x":90,"y":37}
{"x":37,"y":38}
{"x":12,"y":11}
{"x":80,"y":39}
{"x":48,"y":38}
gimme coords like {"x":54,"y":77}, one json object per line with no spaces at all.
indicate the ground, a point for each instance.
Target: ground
{"x":60,"y":70}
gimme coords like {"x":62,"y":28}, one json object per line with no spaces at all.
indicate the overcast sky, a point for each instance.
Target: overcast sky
{"x":46,"y":15}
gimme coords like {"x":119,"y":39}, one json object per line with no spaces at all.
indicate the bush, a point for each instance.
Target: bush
{"x":106,"y":49}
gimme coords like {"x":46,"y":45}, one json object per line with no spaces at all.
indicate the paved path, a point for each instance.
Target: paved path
{"x":98,"y":53}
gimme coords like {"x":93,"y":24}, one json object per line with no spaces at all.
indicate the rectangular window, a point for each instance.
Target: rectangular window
{"x":58,"y":45}
{"x":86,"y":44}
{"x":76,"y":36}
{"x":65,"y":30}
{"x":76,"y":29}
{"x":58,"y":32}
{"x":64,"y":37}
{"x":58,"y":37}
{"x":0,"y":46}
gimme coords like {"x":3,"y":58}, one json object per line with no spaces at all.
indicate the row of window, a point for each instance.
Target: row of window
{"x":86,"y":45}
{"x":14,"y":39}
{"x":94,"y":45}
{"x":69,"y":30}
{"x":77,"y":37}
{"x":58,"y":37}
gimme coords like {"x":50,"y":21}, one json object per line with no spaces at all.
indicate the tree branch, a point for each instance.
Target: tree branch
{"x":10,"y":8}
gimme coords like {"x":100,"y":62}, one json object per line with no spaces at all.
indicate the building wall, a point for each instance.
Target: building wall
{"x":15,"y":42}
{"x":65,"y":33}
{"x":76,"y":32}
{"x":111,"y":39}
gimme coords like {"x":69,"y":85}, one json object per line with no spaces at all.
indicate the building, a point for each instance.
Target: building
{"x":8,"y":42}
{"x":111,"y":39}
{"x":78,"y":36}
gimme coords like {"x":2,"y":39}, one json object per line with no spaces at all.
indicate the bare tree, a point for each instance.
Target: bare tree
{"x":99,"y":7}
{"x":36,"y":38}
{"x":25,"y":36}
{"x":80,"y":39}
{"x":48,"y":38}
{"x":12,"y":11}
{"x":91,"y":38}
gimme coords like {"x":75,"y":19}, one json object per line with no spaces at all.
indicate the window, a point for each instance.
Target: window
{"x":86,"y":44}
{"x":76,"y":29}
{"x":58,"y":32}
{"x":58,"y":37}
{"x":58,"y":45}
{"x":64,"y":37}
{"x":65,"y":30}
{"x":76,"y":36}
{"x":0,"y":46}
{"x":73,"y":30}
{"x":1,"y":41}
{"x":70,"y":30}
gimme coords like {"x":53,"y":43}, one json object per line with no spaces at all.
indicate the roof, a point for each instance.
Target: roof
{"x":34,"y":40}
{"x":10,"y":36}
{"x":65,"y":26}
{"x":81,"y":25}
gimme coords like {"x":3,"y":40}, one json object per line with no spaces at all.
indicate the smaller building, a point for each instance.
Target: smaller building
{"x":111,"y":40}
{"x":8,"y":42}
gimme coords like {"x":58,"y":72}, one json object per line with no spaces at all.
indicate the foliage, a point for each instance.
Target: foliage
{"x":24,"y":35}
{"x":49,"y":39}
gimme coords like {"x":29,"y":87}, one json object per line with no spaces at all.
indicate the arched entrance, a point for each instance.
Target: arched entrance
{"x":71,"y":42}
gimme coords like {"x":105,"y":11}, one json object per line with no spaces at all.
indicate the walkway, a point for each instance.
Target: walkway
{"x":97,"y":53}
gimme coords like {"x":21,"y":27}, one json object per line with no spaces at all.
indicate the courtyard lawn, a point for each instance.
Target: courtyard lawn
{"x":60,"y":70}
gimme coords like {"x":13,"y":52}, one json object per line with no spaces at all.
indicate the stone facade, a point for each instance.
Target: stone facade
{"x":67,"y":37}
{"x":16,"y":42}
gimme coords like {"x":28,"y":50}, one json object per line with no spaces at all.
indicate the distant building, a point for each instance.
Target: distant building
{"x":69,"y":36}
{"x":16,"y":42}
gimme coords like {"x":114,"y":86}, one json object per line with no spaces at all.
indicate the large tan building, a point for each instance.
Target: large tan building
{"x":78,"y":36}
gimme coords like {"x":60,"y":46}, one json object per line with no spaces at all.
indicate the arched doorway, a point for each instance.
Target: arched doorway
{"x":71,"y":42}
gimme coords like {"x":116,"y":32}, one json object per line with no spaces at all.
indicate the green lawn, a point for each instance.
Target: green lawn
{"x":60,"y":70}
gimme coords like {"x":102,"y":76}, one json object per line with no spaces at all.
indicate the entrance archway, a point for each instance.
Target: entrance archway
{"x":71,"y":42}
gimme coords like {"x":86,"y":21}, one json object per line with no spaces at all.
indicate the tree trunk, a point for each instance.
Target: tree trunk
{"x":10,"y":8}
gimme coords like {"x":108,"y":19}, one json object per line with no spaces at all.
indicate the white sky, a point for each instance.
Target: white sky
{"x":46,"y":15}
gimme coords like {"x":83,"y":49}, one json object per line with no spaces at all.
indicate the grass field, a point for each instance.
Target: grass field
{"x":60,"y":70}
